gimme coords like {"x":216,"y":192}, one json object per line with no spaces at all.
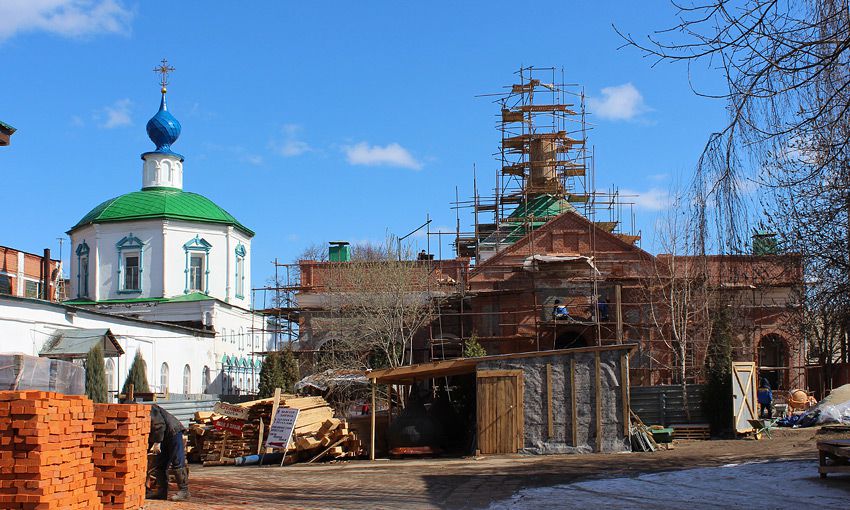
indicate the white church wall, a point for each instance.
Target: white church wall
{"x":164,"y":261}
{"x":26,"y":324}
{"x":238,"y":333}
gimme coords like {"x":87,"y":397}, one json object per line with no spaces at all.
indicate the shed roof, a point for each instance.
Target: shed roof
{"x":412,"y":373}
{"x":76,"y":343}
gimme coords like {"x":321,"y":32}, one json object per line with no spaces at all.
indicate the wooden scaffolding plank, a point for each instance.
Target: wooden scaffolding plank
{"x":549,"y":400}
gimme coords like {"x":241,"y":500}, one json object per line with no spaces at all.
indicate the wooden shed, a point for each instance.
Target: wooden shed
{"x":559,"y":401}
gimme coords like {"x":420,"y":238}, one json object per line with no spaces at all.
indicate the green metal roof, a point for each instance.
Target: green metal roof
{"x":160,"y":203}
{"x":7,"y":127}
{"x":193,"y":296}
{"x":541,"y":206}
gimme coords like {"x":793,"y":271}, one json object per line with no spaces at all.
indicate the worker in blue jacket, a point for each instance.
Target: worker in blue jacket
{"x":765,"y":398}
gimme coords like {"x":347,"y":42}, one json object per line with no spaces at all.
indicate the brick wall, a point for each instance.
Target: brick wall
{"x":45,"y":452}
{"x":120,"y":453}
{"x":63,"y":452}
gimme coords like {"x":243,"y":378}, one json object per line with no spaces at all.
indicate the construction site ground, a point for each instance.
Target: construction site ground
{"x":469,"y":483}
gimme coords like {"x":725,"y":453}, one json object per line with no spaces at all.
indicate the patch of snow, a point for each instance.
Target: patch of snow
{"x":778,"y":484}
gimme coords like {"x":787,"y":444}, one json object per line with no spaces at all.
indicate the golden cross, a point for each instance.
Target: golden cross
{"x":163,"y":69}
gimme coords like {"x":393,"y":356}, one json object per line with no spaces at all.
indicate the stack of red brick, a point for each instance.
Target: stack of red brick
{"x":120,"y":453}
{"x":46,"y":452}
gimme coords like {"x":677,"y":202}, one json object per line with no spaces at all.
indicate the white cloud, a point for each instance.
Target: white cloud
{"x":653,"y":199}
{"x":115,"y":115}
{"x":620,"y":102}
{"x":289,"y":144}
{"x":253,"y":159}
{"x":375,"y":155}
{"x":69,"y":18}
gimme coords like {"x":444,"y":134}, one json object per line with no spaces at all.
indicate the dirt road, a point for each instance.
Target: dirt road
{"x":457,"y":483}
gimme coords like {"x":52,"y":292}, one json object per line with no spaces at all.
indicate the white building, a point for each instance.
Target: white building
{"x":170,"y":256}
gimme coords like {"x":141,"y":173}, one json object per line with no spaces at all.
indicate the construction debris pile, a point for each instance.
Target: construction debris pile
{"x":119,"y":453}
{"x":216,"y":440}
{"x":60,"y":452}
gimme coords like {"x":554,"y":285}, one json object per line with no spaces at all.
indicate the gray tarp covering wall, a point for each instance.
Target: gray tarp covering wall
{"x":613,"y":412}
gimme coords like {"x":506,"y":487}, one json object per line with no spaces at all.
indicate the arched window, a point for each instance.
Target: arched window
{"x":205,"y":380}
{"x":131,"y":263}
{"x":82,"y":270}
{"x":187,"y":380}
{"x":110,"y":375}
{"x":163,"y":378}
{"x":240,"y":271}
{"x":197,"y":265}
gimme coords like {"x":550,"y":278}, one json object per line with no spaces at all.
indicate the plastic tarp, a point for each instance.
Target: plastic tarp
{"x":23,"y":372}
{"x":532,"y":263}
{"x":330,"y":379}
{"x":835,"y":408}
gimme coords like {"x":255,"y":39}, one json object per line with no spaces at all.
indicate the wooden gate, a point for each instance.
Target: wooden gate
{"x":500,"y":411}
{"x":744,"y":399}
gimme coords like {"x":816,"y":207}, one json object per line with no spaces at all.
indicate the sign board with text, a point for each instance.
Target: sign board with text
{"x":231,"y":426}
{"x":230,"y":410}
{"x":280,"y":432}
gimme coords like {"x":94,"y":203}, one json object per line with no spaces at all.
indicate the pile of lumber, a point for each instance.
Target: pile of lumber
{"x":316,"y":432}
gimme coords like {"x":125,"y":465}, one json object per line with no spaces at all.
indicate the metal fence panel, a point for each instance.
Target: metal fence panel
{"x":664,"y":405}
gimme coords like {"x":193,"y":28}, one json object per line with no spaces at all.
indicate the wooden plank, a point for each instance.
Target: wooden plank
{"x":618,"y":308}
{"x":372,"y":428}
{"x":499,"y":373}
{"x":480,"y":414}
{"x":573,"y":401}
{"x":624,"y":388}
{"x":520,"y":411}
{"x":598,"y":384}
{"x":549,"y":400}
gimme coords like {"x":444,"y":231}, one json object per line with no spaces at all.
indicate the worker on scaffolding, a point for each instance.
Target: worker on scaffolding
{"x":166,"y":441}
{"x":602,"y":309}
{"x":560,"y":312}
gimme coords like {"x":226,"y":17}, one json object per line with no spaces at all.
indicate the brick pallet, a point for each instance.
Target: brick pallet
{"x":46,"y":452}
{"x":119,"y":453}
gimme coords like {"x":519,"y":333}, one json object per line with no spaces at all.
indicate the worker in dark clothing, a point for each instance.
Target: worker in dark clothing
{"x":765,"y":398}
{"x":166,"y":440}
{"x":602,"y":308}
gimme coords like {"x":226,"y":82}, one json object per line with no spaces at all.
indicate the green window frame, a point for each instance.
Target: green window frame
{"x":197,"y":268}
{"x":240,"y":271}
{"x":130,"y":277}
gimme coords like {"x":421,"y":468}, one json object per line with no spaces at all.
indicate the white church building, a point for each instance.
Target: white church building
{"x":169,"y":256}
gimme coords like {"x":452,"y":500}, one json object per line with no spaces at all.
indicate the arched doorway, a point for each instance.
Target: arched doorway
{"x":570,"y":339}
{"x":773,"y":359}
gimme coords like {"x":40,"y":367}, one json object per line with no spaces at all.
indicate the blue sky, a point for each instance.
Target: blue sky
{"x":324,"y":121}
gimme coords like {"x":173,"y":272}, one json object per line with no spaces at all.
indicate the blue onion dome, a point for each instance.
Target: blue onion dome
{"x":163,"y":129}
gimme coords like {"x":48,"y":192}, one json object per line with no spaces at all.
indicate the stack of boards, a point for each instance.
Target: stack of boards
{"x":317,"y":433}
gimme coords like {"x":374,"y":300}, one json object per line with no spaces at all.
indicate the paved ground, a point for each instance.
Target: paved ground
{"x":458,"y":483}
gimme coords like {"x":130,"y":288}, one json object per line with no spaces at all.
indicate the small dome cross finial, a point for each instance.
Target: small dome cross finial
{"x":163,"y":129}
{"x":163,"y":69}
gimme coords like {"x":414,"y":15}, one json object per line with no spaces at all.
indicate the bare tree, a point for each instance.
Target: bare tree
{"x":373,"y":309}
{"x":786,"y":65}
{"x":677,"y":290}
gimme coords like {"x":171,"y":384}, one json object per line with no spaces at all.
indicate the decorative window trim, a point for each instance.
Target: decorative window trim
{"x":82,"y":252}
{"x":127,"y":244}
{"x":240,"y":276}
{"x":197,"y":245}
